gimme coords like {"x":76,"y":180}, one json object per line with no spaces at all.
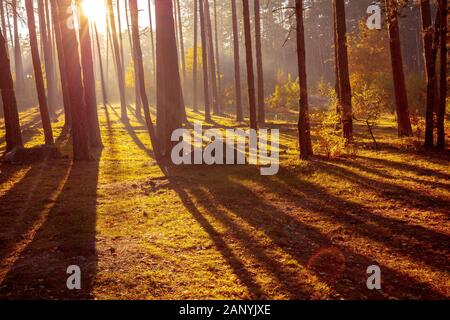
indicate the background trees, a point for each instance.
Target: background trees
{"x":344,"y":53}
{"x":11,"y":115}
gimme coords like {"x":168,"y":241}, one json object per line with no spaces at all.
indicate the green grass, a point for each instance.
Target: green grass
{"x":216,"y":232}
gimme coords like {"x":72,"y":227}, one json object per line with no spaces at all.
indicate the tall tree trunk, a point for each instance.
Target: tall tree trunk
{"x":249,"y":59}
{"x":12,"y":124}
{"x":100,"y":62}
{"x":62,"y":66}
{"x":80,"y":133}
{"x":4,"y":30}
{"x":152,"y":40}
{"x":169,"y":93}
{"x":179,"y":37}
{"x":259,"y":65}
{"x":219,"y":73}
{"x":345,"y":96}
{"x":90,"y":96}
{"x":401,"y":98}
{"x":40,"y":87}
{"x":20,"y":78}
{"x":441,"y":144}
{"x":237,"y":63}
{"x":195,"y":63}
{"x":140,"y":71}
{"x":119,"y":29}
{"x":118,"y":61}
{"x":212,"y":62}
{"x":205,"y":63}
{"x":136,"y":79}
{"x":430,"y":54}
{"x":304,"y":127}
{"x":180,"y":27}
{"x":48,"y":60}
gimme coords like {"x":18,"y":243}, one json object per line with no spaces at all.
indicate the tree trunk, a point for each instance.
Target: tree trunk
{"x":90,"y":96}
{"x":212,"y":62}
{"x":219,"y":73}
{"x":80,"y":133}
{"x":136,"y":80}
{"x":140,"y":72}
{"x":194,"y":75}
{"x":119,"y":27}
{"x":12,"y":124}
{"x":20,"y":78}
{"x":237,"y":63}
{"x":180,"y":27}
{"x":441,"y":144}
{"x":205,"y":63}
{"x":48,"y":60}
{"x":249,"y":59}
{"x":4,"y":30}
{"x":259,"y":65}
{"x":336,"y":69}
{"x":152,"y":39}
{"x":40,"y":87}
{"x":345,"y":96}
{"x":118,"y":61}
{"x":102,"y":76}
{"x":169,"y":93}
{"x":304,"y":127}
{"x":430,"y":55}
{"x":401,"y":98}
{"x":179,"y":31}
{"x":62,"y":66}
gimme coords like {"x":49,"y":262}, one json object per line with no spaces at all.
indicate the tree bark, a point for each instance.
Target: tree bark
{"x":195,"y":63}
{"x":4,"y":30}
{"x":212,"y":62}
{"x":140,"y":72}
{"x":152,"y":40}
{"x":219,"y":73}
{"x":48,"y":60}
{"x":80,"y":133}
{"x":180,"y":27}
{"x":249,"y":59}
{"x":62,"y":66}
{"x":401,"y":98}
{"x":90,"y":96}
{"x":118,"y":61}
{"x":137,"y":93}
{"x":441,"y":144}
{"x":39,"y":79}
{"x":169,"y":93}
{"x":259,"y":65}
{"x":20,"y":78}
{"x":304,"y":127}
{"x":205,"y":63}
{"x":430,"y":56}
{"x":100,"y":62}
{"x":237,"y":63}
{"x":345,"y":96}
{"x":12,"y":124}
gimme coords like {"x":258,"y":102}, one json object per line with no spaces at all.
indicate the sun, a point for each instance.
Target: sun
{"x":95,"y":10}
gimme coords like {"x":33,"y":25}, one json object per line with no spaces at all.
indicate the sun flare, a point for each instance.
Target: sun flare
{"x":95,"y":10}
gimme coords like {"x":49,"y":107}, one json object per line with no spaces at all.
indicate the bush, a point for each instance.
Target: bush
{"x":330,"y":140}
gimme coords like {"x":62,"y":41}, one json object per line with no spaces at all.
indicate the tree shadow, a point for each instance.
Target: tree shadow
{"x":405,"y":167}
{"x":65,"y":237}
{"x":298,"y":239}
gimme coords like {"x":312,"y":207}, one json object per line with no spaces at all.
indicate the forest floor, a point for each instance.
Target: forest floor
{"x":217,"y":232}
